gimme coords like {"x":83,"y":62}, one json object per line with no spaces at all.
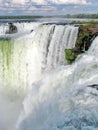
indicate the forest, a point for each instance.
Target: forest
{"x":89,"y":16}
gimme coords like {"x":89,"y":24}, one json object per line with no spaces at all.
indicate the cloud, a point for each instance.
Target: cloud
{"x":59,"y":1}
{"x":32,"y":8}
{"x":18,"y":1}
{"x":46,"y":2}
{"x":18,"y":7}
{"x":39,"y":1}
{"x":76,"y":1}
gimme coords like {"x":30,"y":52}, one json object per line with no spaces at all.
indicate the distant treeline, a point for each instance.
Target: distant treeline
{"x":92,"y":16}
{"x":85,"y":22}
{"x":20,"y":17}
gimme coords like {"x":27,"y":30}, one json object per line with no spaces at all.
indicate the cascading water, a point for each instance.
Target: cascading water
{"x":62,"y":97}
{"x":66,"y":98}
{"x":24,"y":57}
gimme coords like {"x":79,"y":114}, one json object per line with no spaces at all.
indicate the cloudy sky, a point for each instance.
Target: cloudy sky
{"x":47,"y":7}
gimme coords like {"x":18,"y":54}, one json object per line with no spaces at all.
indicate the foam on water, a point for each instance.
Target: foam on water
{"x":21,"y":27}
{"x":23,"y":59}
{"x":24,"y":56}
{"x":65,"y":99}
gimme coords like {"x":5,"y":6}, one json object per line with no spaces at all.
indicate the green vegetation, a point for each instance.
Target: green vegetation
{"x":81,"y":39}
{"x":70,"y":55}
{"x":85,"y":37}
{"x":20,"y":17}
{"x":85,"y":22}
{"x":89,"y":16}
{"x":83,"y":16}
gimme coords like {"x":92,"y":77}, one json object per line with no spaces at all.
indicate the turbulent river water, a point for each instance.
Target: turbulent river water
{"x":38,"y":90}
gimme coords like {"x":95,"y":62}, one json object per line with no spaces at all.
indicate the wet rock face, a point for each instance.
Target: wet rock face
{"x":12,"y":29}
{"x":86,"y":35}
{"x":95,"y":86}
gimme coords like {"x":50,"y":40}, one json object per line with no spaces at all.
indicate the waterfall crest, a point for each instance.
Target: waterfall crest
{"x":57,"y":96}
{"x":26,"y":54}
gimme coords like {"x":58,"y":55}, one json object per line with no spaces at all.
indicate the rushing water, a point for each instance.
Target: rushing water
{"x":57,"y":96}
{"x":25,"y":55}
{"x":65,"y":99}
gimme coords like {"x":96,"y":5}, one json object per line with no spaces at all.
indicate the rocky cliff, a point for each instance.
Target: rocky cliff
{"x":86,"y":35}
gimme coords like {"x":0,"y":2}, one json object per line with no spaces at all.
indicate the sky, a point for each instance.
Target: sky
{"x":47,"y":7}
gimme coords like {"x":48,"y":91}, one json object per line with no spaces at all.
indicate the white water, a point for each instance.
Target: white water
{"x":24,"y":58}
{"x":62,"y":99}
{"x":23,"y":28}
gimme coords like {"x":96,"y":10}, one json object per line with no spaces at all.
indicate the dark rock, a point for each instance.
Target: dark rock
{"x":12,"y":29}
{"x":32,"y":30}
{"x":77,"y":50}
{"x":86,"y":35}
{"x":93,"y":86}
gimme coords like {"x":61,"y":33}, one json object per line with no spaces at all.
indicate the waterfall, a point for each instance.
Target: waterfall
{"x":65,"y":98}
{"x":38,"y":90}
{"x":26,"y":54}
{"x":23,"y":28}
